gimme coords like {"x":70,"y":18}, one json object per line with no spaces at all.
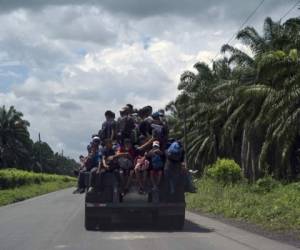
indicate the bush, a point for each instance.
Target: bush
{"x":11,"y":178}
{"x":265,"y":184}
{"x":225,"y":170}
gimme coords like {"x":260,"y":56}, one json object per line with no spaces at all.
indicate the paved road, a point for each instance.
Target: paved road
{"x":55,"y":221}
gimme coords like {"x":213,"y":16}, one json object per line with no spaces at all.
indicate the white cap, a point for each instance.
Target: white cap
{"x":156,"y":144}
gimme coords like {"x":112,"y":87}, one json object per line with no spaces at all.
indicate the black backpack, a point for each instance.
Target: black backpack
{"x":125,"y":126}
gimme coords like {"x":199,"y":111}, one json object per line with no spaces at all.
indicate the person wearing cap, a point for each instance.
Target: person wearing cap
{"x":156,"y":158}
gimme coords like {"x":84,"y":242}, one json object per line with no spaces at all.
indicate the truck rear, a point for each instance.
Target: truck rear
{"x":160,"y":208}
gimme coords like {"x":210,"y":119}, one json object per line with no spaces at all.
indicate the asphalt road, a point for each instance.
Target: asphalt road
{"x":55,"y":221}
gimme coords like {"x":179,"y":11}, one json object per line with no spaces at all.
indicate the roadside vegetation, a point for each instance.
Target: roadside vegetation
{"x":17,"y":185}
{"x":267,"y":202}
{"x":244,"y":108}
{"x":246,"y":104}
{"x":18,"y":150}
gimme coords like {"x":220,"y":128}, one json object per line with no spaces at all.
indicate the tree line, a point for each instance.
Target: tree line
{"x":246,"y":105}
{"x":18,"y":150}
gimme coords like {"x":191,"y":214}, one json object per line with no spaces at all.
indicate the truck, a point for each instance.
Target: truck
{"x":160,"y":207}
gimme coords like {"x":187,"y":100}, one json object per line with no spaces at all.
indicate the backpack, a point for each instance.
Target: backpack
{"x":158,"y":131}
{"x":157,"y":162}
{"x":125,"y":163}
{"x":126,"y":125}
{"x":175,"y":152}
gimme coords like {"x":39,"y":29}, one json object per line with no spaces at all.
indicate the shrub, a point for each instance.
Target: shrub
{"x":265,"y":184}
{"x":225,"y":170}
{"x":11,"y":178}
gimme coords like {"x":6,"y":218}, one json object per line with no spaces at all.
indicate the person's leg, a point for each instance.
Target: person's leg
{"x":159,"y":176}
{"x":130,"y":175}
{"x":81,"y":179}
{"x":139,"y":177}
{"x":144,"y":178}
{"x":93,"y":177}
{"x":153,"y":179}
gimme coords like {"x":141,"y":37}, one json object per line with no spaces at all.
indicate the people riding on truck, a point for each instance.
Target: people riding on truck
{"x":134,"y":145}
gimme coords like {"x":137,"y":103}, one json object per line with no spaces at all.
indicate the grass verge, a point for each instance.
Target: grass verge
{"x":8,"y":196}
{"x":277,"y":209}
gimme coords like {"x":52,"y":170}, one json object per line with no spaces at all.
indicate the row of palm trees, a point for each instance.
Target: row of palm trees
{"x":245,"y":106}
{"x":17,"y":150}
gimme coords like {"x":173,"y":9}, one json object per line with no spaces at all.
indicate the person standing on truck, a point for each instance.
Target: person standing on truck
{"x":159,"y":130}
{"x":125,"y":125}
{"x":109,"y":127}
{"x":156,"y":158}
{"x":146,"y":120}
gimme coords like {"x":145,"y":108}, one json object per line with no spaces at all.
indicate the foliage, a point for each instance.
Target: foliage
{"x":266,"y":184}
{"x":8,"y":196}
{"x":224,"y":170}
{"x":245,"y":106}
{"x":11,"y":178}
{"x":17,"y":149}
{"x":278,"y":209}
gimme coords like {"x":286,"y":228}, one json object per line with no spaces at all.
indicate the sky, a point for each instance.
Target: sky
{"x":63,"y":63}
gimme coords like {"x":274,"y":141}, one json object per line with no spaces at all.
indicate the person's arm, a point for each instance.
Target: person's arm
{"x":147,"y":144}
{"x":104,"y":163}
{"x":125,"y":154}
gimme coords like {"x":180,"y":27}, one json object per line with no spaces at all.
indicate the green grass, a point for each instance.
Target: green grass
{"x":28,"y":191}
{"x":17,"y":185}
{"x":11,"y":178}
{"x":276,"y":209}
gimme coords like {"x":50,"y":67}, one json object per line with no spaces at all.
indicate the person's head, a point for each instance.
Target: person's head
{"x":108,"y":143}
{"x":95,"y":141}
{"x":124,"y":111}
{"x":156,"y":116}
{"x":148,"y":110}
{"x":142,"y":113}
{"x":161,"y":112}
{"x":109,"y":115}
{"x":81,"y":158}
{"x":89,"y":148}
{"x":156,"y":145}
{"x":127,"y":144}
{"x":130,"y":108}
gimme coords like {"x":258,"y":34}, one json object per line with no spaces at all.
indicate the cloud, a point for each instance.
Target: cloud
{"x":63,"y":63}
{"x":74,"y":105}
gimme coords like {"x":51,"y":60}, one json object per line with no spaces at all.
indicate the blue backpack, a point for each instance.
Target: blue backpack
{"x":175,"y":152}
{"x":157,"y":162}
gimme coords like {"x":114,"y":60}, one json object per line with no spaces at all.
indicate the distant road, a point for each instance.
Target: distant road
{"x":55,"y":221}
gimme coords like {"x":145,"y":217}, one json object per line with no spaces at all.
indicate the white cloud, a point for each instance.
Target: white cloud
{"x":71,"y":61}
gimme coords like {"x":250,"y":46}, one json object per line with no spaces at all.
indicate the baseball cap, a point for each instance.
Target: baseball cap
{"x":156,"y":144}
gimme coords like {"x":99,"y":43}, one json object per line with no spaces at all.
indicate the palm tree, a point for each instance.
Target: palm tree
{"x":246,"y":106}
{"x":14,"y":137}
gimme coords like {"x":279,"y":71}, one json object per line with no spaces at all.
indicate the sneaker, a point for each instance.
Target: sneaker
{"x":76,"y":191}
{"x":81,"y":190}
